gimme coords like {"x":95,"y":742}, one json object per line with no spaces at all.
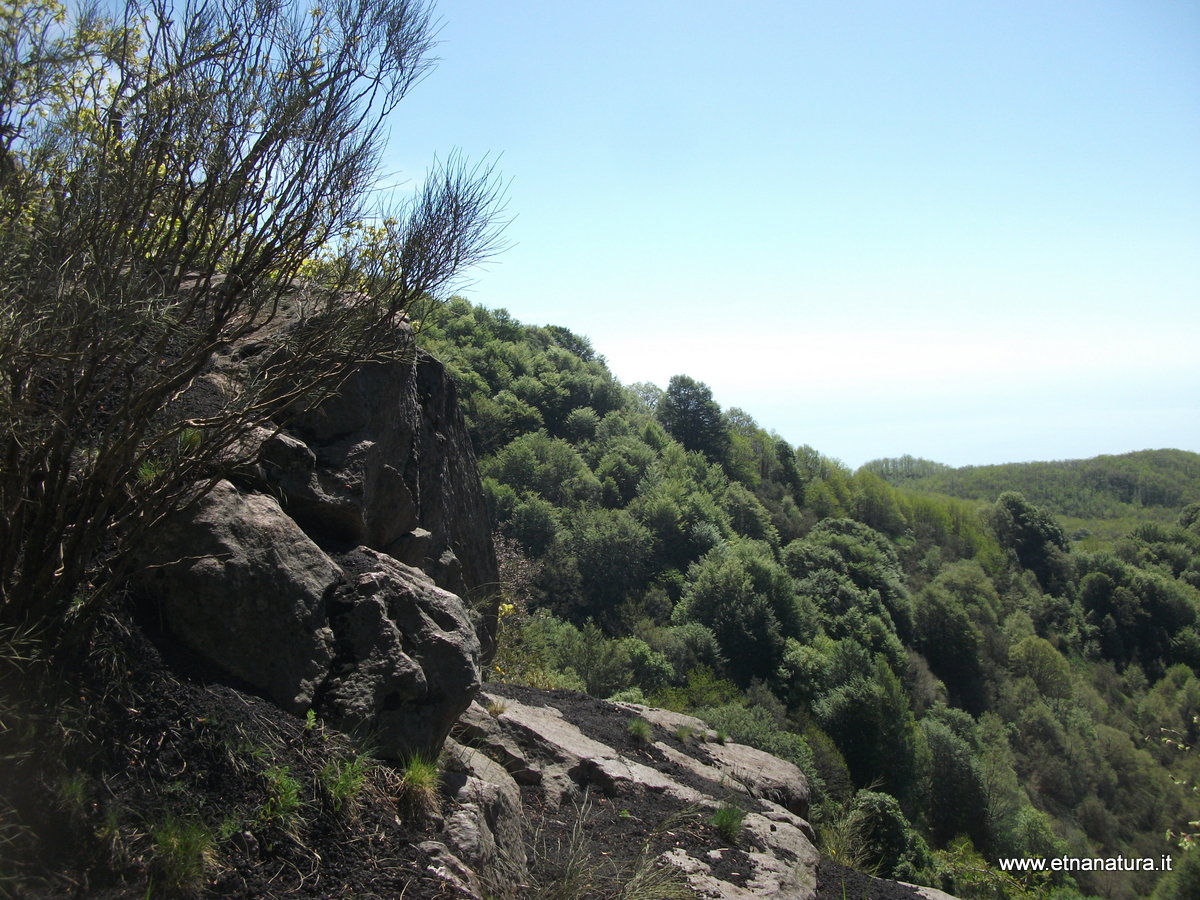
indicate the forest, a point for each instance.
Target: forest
{"x":962,"y":678}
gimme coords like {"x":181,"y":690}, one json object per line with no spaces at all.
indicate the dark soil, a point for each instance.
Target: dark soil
{"x":836,"y":882}
{"x":107,"y":763}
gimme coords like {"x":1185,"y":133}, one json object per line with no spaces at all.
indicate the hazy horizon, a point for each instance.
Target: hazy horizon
{"x":966,"y":232}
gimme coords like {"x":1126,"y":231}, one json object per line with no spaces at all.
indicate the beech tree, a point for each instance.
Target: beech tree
{"x":175,"y":177}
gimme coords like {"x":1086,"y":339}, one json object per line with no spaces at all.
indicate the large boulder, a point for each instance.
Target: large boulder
{"x":245,"y":589}
{"x":372,"y":643}
{"x":407,"y":658}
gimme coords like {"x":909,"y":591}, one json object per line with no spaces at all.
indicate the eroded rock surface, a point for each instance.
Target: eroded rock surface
{"x":388,"y":463}
{"x":407,"y":658}
{"x":373,"y":643}
{"x":573,"y":756}
{"x":338,"y":569}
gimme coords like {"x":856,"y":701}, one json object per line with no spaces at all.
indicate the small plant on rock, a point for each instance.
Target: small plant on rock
{"x":728,"y":821}
{"x":418,"y":794}
{"x":640,"y":730}
{"x":496,"y":708}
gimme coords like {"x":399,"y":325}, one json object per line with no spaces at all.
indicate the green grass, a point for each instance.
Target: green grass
{"x":728,"y":821}
{"x":72,"y":791}
{"x":282,"y":806}
{"x":640,"y":730}
{"x":150,"y":471}
{"x":419,"y":782}
{"x":685,"y":734}
{"x":182,"y":854}
{"x":342,"y":782}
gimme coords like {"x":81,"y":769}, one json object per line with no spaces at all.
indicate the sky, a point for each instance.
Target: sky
{"x":966,"y":230}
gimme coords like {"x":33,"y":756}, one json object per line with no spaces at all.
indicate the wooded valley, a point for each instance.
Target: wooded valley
{"x":962,"y":678}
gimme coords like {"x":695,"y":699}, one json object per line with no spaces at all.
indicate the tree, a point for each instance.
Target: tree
{"x":952,"y":644}
{"x":691,"y":416}
{"x":958,"y":796}
{"x":1034,"y":536}
{"x":867,"y":714}
{"x":181,"y":177}
{"x":1036,"y":658}
{"x":612,"y":549}
{"x":749,"y":602}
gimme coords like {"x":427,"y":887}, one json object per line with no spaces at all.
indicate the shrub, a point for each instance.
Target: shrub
{"x":174,"y":180}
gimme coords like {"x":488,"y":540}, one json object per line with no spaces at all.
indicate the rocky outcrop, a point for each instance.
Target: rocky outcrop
{"x":617,"y":812}
{"x":387,"y":463}
{"x":350,"y":567}
{"x":486,"y":823}
{"x":331,"y":575}
{"x":373,"y":644}
{"x":245,"y":589}
{"x":407,"y":660}
{"x":562,"y":749}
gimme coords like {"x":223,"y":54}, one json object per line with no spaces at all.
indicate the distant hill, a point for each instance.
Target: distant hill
{"x":1105,"y":487}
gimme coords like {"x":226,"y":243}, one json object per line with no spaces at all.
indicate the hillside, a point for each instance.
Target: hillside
{"x":1155,"y":484}
{"x":954,"y":667}
{"x":316,"y":581}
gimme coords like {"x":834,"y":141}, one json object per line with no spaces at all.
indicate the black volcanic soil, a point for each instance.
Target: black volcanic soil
{"x":95,"y":757}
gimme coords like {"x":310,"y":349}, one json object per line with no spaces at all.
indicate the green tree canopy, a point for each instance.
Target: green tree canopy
{"x":691,"y":416}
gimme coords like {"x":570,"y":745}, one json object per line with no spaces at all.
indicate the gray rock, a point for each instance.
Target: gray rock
{"x":243,"y":587}
{"x":407,"y":658}
{"x":543,"y":749}
{"x":451,"y":870}
{"x":387,"y":463}
{"x":485,"y":827}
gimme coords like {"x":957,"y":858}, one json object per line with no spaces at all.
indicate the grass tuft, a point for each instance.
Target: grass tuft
{"x":728,"y":821}
{"x":341,"y":782}
{"x":845,"y":839}
{"x":182,"y":854}
{"x":685,"y":734}
{"x":418,"y":790}
{"x":496,"y":708}
{"x":282,"y":806}
{"x":640,"y":730}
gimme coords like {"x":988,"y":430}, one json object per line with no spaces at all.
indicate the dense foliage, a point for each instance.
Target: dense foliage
{"x":960,"y":680}
{"x":1145,"y":483}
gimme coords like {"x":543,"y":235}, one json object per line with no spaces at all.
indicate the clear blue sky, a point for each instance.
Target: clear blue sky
{"x":963,"y":230}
